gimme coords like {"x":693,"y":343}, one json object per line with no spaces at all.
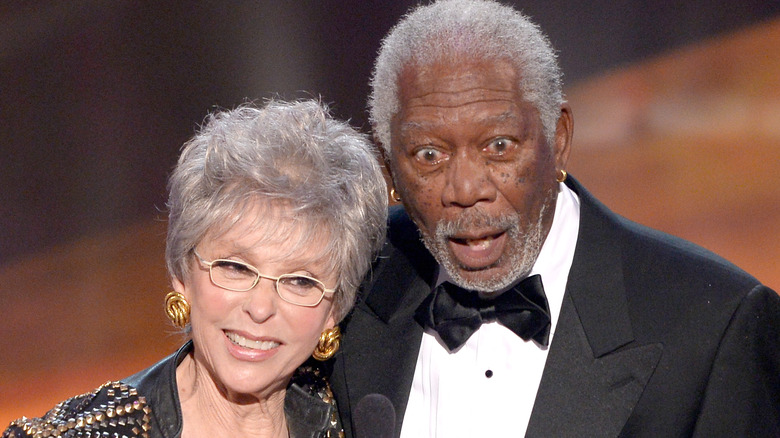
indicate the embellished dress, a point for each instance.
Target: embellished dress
{"x":147,"y":405}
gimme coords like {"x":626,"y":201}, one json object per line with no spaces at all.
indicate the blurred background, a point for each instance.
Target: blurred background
{"x":677,"y":126}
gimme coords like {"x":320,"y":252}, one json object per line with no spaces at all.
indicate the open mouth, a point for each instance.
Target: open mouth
{"x":251,"y":344}
{"x":480,"y":244}
{"x":478,"y":252}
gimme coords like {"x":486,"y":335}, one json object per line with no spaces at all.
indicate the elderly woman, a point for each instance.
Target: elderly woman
{"x":275,"y":215}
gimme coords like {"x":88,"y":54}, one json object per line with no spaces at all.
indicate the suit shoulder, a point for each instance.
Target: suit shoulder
{"x":404,"y":248}
{"x":399,"y":225}
{"x":657,"y":251}
{"x":402,"y":273}
{"x":662,"y":271}
{"x":656,"y":261}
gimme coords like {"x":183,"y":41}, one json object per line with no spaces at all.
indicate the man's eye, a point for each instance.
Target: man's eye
{"x":429,"y":156}
{"x":499,"y":146}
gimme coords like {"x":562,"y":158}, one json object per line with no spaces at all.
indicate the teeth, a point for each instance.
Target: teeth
{"x":247,"y":343}
{"x":480,"y":243}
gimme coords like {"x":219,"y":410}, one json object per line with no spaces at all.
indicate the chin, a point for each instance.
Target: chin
{"x":490,"y":279}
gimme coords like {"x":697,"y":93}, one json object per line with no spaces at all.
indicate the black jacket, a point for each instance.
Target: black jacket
{"x":656,"y":338}
{"x":147,"y":405}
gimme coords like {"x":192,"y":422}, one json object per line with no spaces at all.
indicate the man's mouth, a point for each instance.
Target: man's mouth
{"x":476,"y":244}
{"x":478,"y":252}
{"x":251,"y":344}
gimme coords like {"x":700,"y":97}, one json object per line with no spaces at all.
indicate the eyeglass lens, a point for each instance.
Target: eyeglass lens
{"x":297,"y":289}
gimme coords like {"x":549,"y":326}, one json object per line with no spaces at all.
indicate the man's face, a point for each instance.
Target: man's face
{"x":474,"y":170}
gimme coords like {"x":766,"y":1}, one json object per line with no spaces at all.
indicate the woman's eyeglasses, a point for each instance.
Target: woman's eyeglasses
{"x":237,"y":276}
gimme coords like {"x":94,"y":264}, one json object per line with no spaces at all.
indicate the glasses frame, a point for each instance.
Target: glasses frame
{"x":325,"y":290}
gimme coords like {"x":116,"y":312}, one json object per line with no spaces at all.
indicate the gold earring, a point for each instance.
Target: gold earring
{"x":178,"y":309}
{"x":561,"y":177}
{"x":393,"y":194}
{"x":330,"y":340}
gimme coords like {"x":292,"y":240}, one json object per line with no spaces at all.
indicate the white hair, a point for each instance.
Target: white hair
{"x":289,"y":154}
{"x":451,"y":30}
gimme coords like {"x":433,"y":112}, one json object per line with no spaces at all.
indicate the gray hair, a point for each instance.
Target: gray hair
{"x":295,"y":155}
{"x":466,"y":29}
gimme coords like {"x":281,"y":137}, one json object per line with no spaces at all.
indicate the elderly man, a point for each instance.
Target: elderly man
{"x":529,"y":308}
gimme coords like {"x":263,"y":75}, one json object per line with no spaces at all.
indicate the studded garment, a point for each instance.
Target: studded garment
{"x":114,"y":410}
{"x":147,"y":405}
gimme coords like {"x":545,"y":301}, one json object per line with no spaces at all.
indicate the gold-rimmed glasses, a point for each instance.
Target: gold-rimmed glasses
{"x":297,"y":289}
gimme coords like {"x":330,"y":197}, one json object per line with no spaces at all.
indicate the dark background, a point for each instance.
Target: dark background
{"x":98,"y":96}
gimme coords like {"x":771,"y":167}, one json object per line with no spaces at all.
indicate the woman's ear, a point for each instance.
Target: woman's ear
{"x":178,"y":286}
{"x":330,"y":322}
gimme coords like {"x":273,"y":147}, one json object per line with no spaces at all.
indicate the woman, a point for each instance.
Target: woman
{"x":275,"y":215}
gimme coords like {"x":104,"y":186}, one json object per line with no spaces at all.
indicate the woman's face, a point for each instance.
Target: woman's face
{"x":250,"y":343}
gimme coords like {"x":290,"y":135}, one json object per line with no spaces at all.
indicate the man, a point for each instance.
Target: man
{"x":635,"y":334}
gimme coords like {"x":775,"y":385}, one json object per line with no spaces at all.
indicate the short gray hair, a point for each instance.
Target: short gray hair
{"x":466,"y":29}
{"x":289,"y":154}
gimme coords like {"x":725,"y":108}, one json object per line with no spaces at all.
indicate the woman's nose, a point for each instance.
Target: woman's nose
{"x":261,"y":301}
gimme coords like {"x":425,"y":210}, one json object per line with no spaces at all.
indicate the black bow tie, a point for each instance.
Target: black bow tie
{"x":455,"y":313}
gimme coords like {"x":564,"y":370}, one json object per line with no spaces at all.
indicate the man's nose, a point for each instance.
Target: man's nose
{"x":468,"y":182}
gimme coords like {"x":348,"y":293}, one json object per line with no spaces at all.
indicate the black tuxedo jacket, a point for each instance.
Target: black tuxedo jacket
{"x":656,"y":338}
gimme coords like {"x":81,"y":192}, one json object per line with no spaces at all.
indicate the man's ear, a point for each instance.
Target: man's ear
{"x":384,"y":155}
{"x":564,"y":131}
{"x":386,"y":169}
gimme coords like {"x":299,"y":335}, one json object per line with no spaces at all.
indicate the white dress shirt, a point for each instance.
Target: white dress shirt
{"x":488,"y":386}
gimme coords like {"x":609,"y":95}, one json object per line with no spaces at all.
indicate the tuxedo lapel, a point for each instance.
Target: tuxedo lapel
{"x":586,"y":396}
{"x":383,"y":352}
{"x":594,"y":376}
{"x":381,"y":339}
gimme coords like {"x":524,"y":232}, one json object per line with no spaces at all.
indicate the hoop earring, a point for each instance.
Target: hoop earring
{"x":329,"y":343}
{"x":178,"y":309}
{"x":561,"y":177}
{"x":393,"y":194}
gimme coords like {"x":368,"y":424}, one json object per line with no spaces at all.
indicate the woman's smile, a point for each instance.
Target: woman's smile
{"x":241,"y":341}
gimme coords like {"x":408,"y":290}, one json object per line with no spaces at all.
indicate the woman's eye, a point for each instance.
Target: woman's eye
{"x":499,"y":146}
{"x":299,"y":286}
{"x":299,"y":281}
{"x":233,"y":268}
{"x":429,"y":156}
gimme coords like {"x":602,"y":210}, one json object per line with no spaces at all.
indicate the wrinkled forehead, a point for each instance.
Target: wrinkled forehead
{"x":454,"y":76}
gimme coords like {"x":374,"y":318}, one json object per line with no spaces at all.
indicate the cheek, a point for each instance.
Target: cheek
{"x":523,"y":176}
{"x":307,"y":324}
{"x":418,"y":191}
{"x":423,"y":202}
{"x":209,"y":304}
{"x":515,"y":183}
{"x":526,"y":188}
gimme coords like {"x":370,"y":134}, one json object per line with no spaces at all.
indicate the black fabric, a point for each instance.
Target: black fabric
{"x":657,"y":337}
{"x":456,"y":313}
